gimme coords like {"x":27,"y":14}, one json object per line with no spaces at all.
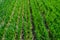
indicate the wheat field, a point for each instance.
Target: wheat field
{"x":29,"y":19}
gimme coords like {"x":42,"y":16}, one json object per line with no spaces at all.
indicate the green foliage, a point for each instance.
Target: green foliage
{"x":29,"y":20}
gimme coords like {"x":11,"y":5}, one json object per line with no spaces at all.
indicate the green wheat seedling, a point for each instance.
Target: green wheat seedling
{"x":29,"y":20}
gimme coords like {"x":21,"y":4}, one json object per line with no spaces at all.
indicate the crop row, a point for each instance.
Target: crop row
{"x":52,"y":17}
{"x":40,"y":30}
{"x":7,"y":10}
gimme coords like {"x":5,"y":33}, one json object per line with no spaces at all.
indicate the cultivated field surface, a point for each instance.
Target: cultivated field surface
{"x":29,"y":19}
